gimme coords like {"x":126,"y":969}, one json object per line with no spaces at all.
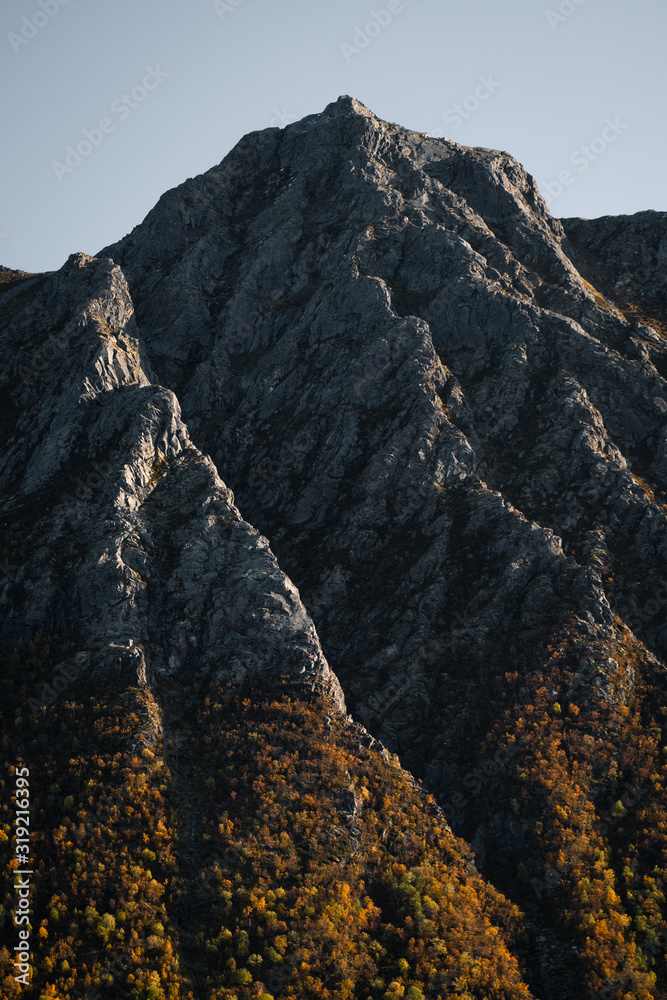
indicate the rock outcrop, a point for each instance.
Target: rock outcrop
{"x":130,"y":543}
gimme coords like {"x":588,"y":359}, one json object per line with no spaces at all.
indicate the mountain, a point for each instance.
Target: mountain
{"x":349,"y":423}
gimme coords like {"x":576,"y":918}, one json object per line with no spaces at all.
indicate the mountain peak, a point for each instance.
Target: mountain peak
{"x":348,"y":105}
{"x":351,"y":415}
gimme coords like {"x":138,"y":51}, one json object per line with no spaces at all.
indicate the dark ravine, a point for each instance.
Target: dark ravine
{"x":443,"y":417}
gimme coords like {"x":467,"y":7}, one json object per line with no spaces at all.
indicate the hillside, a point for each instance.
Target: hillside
{"x":348,"y":424}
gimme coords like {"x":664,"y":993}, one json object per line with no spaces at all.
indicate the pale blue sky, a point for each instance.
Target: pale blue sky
{"x":555,"y":71}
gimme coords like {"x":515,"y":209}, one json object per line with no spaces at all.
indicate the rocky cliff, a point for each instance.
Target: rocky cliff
{"x":130,"y":543}
{"x":451,"y":438}
{"x":352,"y":411}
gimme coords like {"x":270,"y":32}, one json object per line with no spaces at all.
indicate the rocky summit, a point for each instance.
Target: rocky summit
{"x":348,"y":424}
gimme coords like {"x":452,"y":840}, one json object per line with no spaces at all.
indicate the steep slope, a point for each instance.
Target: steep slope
{"x":626,"y":256}
{"x":380,"y":341}
{"x":446,"y":412}
{"x":300,"y":861}
{"x":126,"y":566}
{"x":457,"y":449}
{"x":129,"y":542}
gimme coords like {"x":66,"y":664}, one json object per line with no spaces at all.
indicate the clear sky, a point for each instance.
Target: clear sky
{"x":575,"y":89}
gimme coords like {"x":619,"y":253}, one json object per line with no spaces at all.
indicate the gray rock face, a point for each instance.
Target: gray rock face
{"x":626,"y":257}
{"x":131,"y":542}
{"x":451,"y":439}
